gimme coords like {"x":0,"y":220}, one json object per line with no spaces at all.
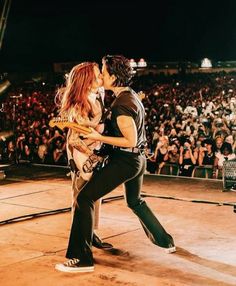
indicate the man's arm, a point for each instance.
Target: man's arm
{"x":128,"y":129}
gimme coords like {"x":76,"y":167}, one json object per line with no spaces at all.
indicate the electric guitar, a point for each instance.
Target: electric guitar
{"x":85,"y":163}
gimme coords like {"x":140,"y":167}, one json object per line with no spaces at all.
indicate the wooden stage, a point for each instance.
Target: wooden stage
{"x":35,"y":222}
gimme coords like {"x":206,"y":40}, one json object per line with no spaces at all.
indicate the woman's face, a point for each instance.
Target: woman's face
{"x":174,"y":149}
{"x":208,"y":147}
{"x":219,"y":143}
{"x":98,"y":81}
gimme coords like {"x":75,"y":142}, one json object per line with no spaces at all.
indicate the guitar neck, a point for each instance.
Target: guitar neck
{"x":74,"y":126}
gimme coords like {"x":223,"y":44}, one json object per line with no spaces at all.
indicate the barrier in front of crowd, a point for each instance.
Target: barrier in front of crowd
{"x":229,"y":175}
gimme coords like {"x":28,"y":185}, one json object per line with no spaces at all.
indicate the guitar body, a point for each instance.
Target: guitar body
{"x":80,"y":159}
{"x":84,"y":162}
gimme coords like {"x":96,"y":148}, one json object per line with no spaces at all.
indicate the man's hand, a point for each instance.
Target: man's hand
{"x":94,"y":135}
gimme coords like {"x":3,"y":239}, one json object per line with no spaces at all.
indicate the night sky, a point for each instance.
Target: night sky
{"x":41,"y":32}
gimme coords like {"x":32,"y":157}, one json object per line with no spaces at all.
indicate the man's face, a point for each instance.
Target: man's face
{"x":107,"y":79}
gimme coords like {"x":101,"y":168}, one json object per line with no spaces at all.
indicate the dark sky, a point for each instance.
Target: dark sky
{"x":40,"y":32}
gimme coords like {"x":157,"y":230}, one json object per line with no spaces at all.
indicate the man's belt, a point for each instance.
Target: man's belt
{"x":130,"y":150}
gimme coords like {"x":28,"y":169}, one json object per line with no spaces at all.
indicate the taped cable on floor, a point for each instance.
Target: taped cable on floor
{"x":109,"y":199}
{"x":35,"y":215}
{"x":189,"y":200}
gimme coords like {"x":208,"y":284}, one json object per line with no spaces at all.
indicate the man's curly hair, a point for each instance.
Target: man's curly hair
{"x":120,"y":67}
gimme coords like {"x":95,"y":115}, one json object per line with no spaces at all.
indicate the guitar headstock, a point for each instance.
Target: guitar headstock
{"x":59,"y":122}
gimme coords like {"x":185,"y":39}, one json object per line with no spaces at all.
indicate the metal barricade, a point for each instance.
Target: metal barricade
{"x":229,"y":175}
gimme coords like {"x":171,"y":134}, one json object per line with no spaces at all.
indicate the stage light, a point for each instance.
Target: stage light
{"x":206,"y":63}
{"x":142,"y":63}
{"x":133,"y":63}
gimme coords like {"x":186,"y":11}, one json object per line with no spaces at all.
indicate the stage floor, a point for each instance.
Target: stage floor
{"x":195,"y":212}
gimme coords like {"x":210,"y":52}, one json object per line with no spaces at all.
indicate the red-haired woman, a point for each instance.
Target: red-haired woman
{"x":81,"y":101}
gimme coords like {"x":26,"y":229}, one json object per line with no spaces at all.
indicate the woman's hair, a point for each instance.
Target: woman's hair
{"x":75,"y":92}
{"x":211,"y":142}
{"x":120,"y":67}
{"x":187,"y":140}
{"x":226,"y":146}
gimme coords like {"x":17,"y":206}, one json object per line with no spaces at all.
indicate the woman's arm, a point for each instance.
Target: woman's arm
{"x":215,"y":167}
{"x":181,"y":150}
{"x":192,"y":156}
{"x":201,"y":156}
{"x":166,"y":157}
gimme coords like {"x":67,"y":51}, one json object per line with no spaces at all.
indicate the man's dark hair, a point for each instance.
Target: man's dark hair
{"x":120,"y":67}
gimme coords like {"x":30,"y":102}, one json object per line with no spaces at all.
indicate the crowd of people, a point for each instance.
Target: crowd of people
{"x":190,"y":121}
{"x":27,"y":112}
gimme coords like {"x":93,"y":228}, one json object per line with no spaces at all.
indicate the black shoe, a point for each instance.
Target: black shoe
{"x":97,"y":242}
{"x":74,"y":266}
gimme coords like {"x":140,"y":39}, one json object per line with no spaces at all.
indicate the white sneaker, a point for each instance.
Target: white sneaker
{"x":171,"y":249}
{"x":74,"y":265}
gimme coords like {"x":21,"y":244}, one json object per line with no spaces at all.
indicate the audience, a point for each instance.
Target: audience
{"x":188,"y":122}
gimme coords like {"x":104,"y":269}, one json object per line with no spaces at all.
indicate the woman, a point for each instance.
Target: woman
{"x":172,"y":157}
{"x":206,"y":153}
{"x":187,"y":160}
{"x":127,"y":164}
{"x":226,"y":153}
{"x":80,"y":102}
{"x":160,"y":152}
